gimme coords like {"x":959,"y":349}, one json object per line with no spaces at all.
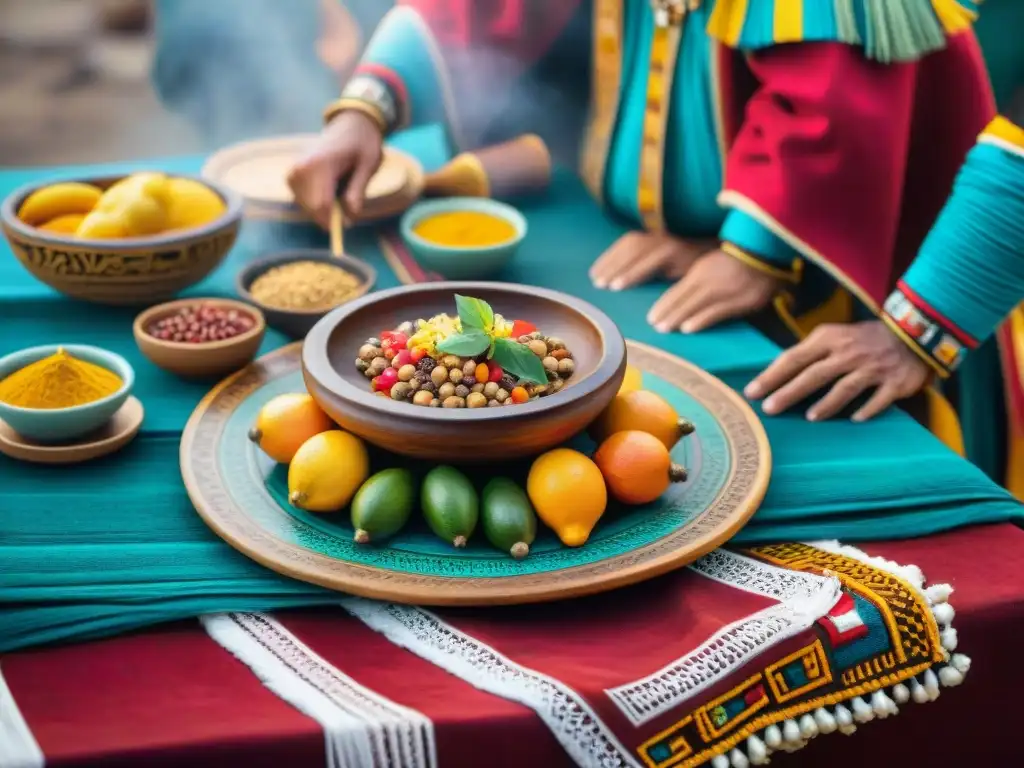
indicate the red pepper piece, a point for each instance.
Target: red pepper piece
{"x":522,"y":328}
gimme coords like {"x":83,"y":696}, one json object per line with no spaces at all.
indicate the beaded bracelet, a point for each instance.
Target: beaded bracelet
{"x":356,"y":105}
{"x":372,"y":92}
{"x":935,"y":340}
{"x":792,"y":275}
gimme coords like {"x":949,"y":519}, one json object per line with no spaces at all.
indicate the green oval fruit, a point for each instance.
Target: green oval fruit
{"x":510,"y":523}
{"x":450,"y":505}
{"x":382,"y":505}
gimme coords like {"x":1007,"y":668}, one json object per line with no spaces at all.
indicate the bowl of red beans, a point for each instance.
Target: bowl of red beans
{"x":200,"y":338}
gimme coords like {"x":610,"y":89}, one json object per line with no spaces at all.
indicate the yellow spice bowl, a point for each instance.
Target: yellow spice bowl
{"x":54,"y":425}
{"x":463,"y":262}
{"x":128,"y":271}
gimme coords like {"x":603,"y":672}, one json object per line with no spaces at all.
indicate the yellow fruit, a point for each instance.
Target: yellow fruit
{"x":139,"y":202}
{"x":101,"y":226}
{"x":568,"y":493}
{"x":56,"y":200}
{"x":192,"y":204}
{"x":327,"y":471}
{"x":642,"y":410}
{"x":632,"y":381}
{"x":65,"y":224}
{"x":636,"y":467}
{"x":286,"y":422}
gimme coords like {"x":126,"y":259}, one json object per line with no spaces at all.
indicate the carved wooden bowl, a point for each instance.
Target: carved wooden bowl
{"x":482,"y":434}
{"x":129,"y":271}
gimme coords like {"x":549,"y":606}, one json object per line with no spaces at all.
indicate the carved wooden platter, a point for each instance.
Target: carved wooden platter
{"x":242,"y":495}
{"x":257,"y":170}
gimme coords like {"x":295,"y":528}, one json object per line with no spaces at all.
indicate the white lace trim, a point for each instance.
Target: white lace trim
{"x":18,"y":747}
{"x":803,"y":600}
{"x":587,"y":740}
{"x":362,"y":729}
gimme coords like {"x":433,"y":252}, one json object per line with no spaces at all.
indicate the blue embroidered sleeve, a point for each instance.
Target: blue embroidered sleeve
{"x":969,"y":273}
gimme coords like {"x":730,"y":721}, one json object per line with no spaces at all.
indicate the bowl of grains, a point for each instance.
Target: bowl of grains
{"x":295,"y":289}
{"x":200,"y":338}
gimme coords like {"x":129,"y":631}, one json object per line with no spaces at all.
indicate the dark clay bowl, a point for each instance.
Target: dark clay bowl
{"x":128,"y":271}
{"x":484,"y":434}
{"x":297,"y":323}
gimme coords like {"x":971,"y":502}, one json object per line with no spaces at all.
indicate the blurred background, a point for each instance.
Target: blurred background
{"x":86,"y":81}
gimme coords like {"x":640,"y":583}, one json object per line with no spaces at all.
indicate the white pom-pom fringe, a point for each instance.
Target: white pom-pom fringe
{"x":808,"y":728}
{"x":862,"y":712}
{"x":961,"y":663}
{"x":931,"y":684}
{"x":900,"y":693}
{"x":790,"y":732}
{"x":938,"y":593}
{"x":773,"y":736}
{"x":950,"y":677}
{"x":917,"y":692}
{"x":720,"y":761}
{"x":757,"y":751}
{"x":883,"y":705}
{"x":949,"y":639}
{"x":944,"y":614}
{"x":738,"y":759}
{"x":826,"y":723}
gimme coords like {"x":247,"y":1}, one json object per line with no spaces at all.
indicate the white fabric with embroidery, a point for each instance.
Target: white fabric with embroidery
{"x":362,"y":729}
{"x":804,"y":598}
{"x":577,"y":727}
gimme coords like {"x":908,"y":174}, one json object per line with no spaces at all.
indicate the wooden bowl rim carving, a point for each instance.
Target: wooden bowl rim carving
{"x":316,"y":364}
{"x":231,"y":217}
{"x":147,"y":316}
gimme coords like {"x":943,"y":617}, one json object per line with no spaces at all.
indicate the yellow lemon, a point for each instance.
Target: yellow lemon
{"x":140,"y":202}
{"x":65,"y":224}
{"x":286,"y":422}
{"x":192,"y":204}
{"x":632,"y":381}
{"x":101,"y":226}
{"x":56,"y":200}
{"x":326,"y":471}
{"x":568,"y":492}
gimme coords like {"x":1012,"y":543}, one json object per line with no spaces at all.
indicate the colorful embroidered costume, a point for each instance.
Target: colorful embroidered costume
{"x":967,"y":282}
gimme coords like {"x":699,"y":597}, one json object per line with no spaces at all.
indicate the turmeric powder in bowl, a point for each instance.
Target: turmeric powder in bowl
{"x":463,"y":238}
{"x":465,"y":229}
{"x":58,"y":381}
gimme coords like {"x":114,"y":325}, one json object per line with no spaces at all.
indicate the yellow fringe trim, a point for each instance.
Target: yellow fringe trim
{"x":792,"y":275}
{"x":1005,"y":130}
{"x":953,"y":16}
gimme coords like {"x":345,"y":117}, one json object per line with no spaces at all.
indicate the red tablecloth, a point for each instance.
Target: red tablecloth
{"x":173,"y":696}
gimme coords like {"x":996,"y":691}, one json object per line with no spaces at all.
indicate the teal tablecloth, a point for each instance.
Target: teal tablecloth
{"x":115,"y":544}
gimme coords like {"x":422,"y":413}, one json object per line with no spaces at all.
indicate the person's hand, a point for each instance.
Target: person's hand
{"x":341,"y":161}
{"x":856,"y":356}
{"x":637,"y":257}
{"x":716,"y":288}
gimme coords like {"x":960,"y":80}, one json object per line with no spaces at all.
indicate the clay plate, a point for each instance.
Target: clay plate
{"x":242,"y":495}
{"x":113,"y":436}
{"x":484,"y":434}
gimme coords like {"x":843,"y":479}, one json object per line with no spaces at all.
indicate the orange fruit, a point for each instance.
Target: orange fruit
{"x":645,"y":411}
{"x":568,"y":493}
{"x":286,"y":422}
{"x":65,"y":224}
{"x":636,"y":466}
{"x":632,"y":381}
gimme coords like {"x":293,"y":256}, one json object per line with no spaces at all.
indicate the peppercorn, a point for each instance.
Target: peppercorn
{"x":406,"y":372}
{"x":566,"y":367}
{"x":422,"y":397}
{"x":446,"y":390}
{"x":428,"y":386}
{"x":427,"y":364}
{"x":538,"y":347}
{"x":476,"y":400}
{"x":462,"y":391}
{"x":453,"y":402}
{"x":439,"y":375}
{"x":550,"y":364}
{"x":399,"y":390}
{"x":501,"y":395}
{"x":361,"y":365}
{"x":491,"y":389}
{"x":455,"y":376}
{"x":507,"y":382}
{"x":478,"y":387}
